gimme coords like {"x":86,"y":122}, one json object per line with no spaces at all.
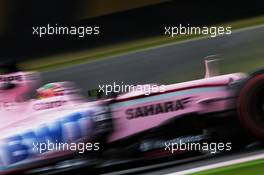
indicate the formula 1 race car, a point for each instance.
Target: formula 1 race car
{"x":213,"y":114}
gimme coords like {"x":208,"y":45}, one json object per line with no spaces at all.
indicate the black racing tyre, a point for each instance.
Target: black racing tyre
{"x":251,"y":105}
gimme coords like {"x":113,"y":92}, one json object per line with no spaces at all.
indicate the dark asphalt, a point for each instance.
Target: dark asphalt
{"x":178,"y":62}
{"x":177,"y":166}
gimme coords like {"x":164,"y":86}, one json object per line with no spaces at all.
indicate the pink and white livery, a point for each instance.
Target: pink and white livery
{"x":222,"y":108}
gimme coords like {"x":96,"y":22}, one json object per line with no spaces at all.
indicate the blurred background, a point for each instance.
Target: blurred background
{"x":120,"y":21}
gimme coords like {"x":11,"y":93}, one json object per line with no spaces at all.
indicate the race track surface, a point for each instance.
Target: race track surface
{"x":177,"y":167}
{"x":175,"y":62}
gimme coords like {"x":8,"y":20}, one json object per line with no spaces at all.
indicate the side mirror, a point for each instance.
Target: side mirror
{"x":211,"y":66}
{"x":96,"y":93}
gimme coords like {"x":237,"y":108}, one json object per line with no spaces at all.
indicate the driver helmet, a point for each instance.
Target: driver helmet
{"x":57,"y":89}
{"x":50,"y":90}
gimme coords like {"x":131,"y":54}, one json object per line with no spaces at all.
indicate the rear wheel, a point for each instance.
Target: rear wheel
{"x":251,"y":105}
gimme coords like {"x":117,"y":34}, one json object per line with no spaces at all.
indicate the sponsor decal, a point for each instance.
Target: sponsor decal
{"x":19,"y":147}
{"x":10,"y":78}
{"x":158,"y":108}
{"x":49,"y":105}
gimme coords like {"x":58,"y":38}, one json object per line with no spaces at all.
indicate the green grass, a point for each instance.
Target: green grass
{"x":68,"y":59}
{"x":248,"y":168}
